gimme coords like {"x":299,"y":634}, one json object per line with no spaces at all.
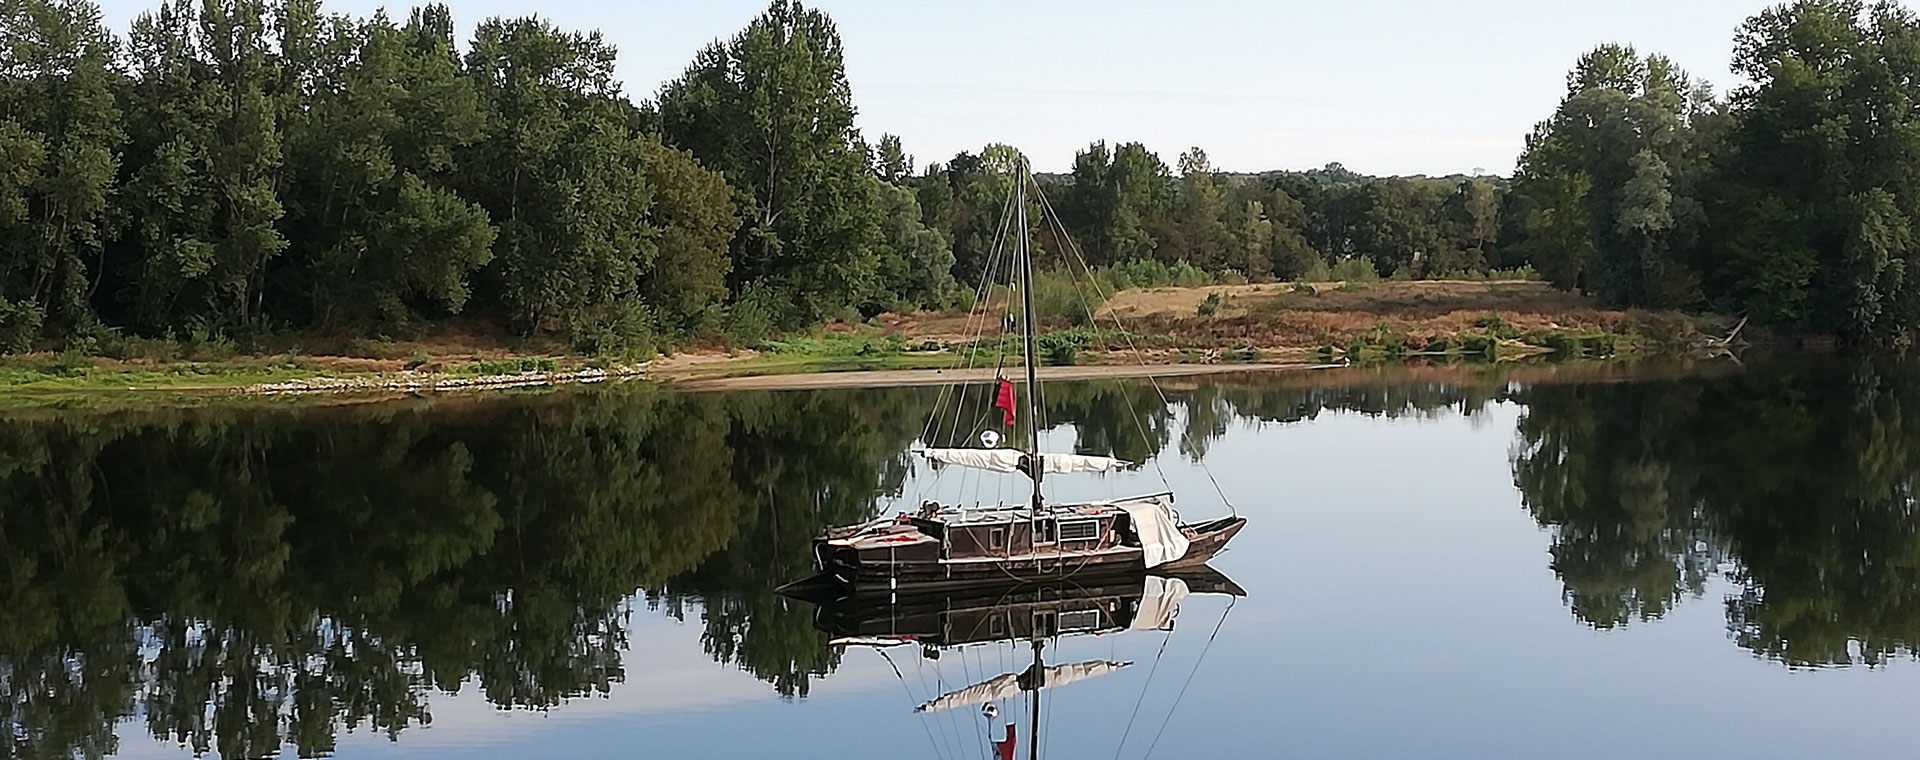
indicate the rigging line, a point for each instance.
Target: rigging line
{"x":1092,"y":318}
{"x":1143,"y":693}
{"x":1231,"y":601}
{"x":967,"y":670}
{"x":978,"y":326}
{"x":923,"y":716}
{"x":1075,"y":248}
{"x":981,"y":303}
{"x":920,"y":668}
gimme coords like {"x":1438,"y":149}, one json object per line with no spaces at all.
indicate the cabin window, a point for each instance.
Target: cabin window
{"x":1080,"y":620}
{"x":1046,"y":532}
{"x":1080,"y":530}
{"x":997,"y":538}
{"x":1046,"y":624}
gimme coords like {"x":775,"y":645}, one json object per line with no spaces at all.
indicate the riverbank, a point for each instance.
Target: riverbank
{"x":1143,"y":331}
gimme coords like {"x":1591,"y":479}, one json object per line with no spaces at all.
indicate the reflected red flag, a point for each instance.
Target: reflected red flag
{"x":1005,"y":748}
{"x":1004,"y":400}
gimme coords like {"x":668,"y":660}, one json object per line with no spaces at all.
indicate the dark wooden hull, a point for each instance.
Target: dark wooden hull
{"x":996,"y":612}
{"x":929,"y":573}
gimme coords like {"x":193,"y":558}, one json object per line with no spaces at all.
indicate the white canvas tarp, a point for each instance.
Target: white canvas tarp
{"x":1008,"y":460}
{"x":1157,"y":603}
{"x":1002,"y":687}
{"x":1160,"y":538}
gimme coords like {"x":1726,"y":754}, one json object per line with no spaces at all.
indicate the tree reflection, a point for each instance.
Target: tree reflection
{"x":252,"y":578}
{"x":1800,"y":476}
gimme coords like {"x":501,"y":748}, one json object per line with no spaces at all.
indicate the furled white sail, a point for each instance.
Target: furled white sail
{"x":1002,"y":687}
{"x":1008,"y":460}
{"x":1160,"y":538}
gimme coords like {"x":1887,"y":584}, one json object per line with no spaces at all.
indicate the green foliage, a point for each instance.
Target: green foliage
{"x":771,"y":110}
{"x":519,"y":366}
{"x":19,"y":325}
{"x":1496,"y":326}
{"x":836,"y":345}
{"x":1188,"y":276}
{"x":1480,"y":345}
{"x":1058,"y":348}
{"x":1209,"y":306}
{"x":1060,"y":298}
{"x":1354,"y":270}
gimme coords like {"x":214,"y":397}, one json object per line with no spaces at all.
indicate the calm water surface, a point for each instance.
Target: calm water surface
{"x":1443,"y":562}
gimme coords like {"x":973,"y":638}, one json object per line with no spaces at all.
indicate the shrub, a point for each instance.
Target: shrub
{"x":1601,"y":344}
{"x":1142,"y":273}
{"x":752,"y":314}
{"x":516,"y":366}
{"x":1317,"y":271}
{"x":1355,"y":269}
{"x":1057,"y":297}
{"x":1209,"y":306}
{"x":1305,"y":289}
{"x":625,"y":329}
{"x":417,"y":361}
{"x":19,"y":325}
{"x":1438,"y":345}
{"x":1523,"y":273}
{"x":1060,"y":352}
{"x":1188,"y":276}
{"x":1497,"y":327}
{"x":1480,"y":344}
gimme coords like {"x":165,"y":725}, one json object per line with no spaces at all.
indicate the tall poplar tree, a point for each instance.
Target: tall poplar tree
{"x":771,"y":109}
{"x":60,"y":136}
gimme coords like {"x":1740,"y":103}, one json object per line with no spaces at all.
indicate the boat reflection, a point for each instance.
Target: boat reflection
{"x":942,"y":622}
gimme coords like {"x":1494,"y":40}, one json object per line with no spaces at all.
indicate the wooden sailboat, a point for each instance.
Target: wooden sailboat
{"x":949,"y":545}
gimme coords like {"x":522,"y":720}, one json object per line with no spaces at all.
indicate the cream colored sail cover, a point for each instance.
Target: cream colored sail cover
{"x":1002,"y":687}
{"x":1158,"y":601}
{"x":1008,"y":460}
{"x":1160,"y":538}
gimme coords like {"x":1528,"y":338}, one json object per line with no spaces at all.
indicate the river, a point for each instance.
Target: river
{"x":1673,"y":560}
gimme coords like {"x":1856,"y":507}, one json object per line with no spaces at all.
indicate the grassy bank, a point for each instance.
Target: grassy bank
{"x":1215,"y":324}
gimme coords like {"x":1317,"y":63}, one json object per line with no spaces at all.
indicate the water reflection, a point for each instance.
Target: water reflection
{"x":248,"y":578}
{"x":1798,"y":478}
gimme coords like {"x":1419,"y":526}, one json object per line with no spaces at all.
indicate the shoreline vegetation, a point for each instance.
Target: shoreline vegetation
{"x":1163,"y":330}
{"x":261,"y":194}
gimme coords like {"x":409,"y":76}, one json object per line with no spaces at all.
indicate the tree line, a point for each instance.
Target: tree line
{"x":244,"y":167}
{"x":1790,"y":199}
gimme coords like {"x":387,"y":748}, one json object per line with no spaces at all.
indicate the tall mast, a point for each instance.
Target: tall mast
{"x":1026,"y":323}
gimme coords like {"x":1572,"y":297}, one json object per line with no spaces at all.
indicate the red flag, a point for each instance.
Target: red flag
{"x":1005,"y":748}
{"x":1004,"y":400}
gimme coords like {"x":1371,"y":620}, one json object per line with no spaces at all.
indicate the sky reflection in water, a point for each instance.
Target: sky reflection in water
{"x":1448,"y":562}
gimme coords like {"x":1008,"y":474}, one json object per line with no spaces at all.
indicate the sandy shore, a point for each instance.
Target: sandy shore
{"x":901,"y":377}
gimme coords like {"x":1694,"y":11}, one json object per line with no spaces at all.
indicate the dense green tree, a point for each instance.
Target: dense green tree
{"x":563,"y":178}
{"x":1626,"y":141}
{"x":771,"y":109}
{"x":693,"y":210}
{"x":916,"y":263}
{"x":60,"y":134}
{"x":377,"y":236}
{"x":891,"y":162}
{"x":1204,"y":240}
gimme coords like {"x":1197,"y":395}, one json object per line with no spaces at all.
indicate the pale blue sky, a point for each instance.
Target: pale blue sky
{"x":1383,"y":87}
